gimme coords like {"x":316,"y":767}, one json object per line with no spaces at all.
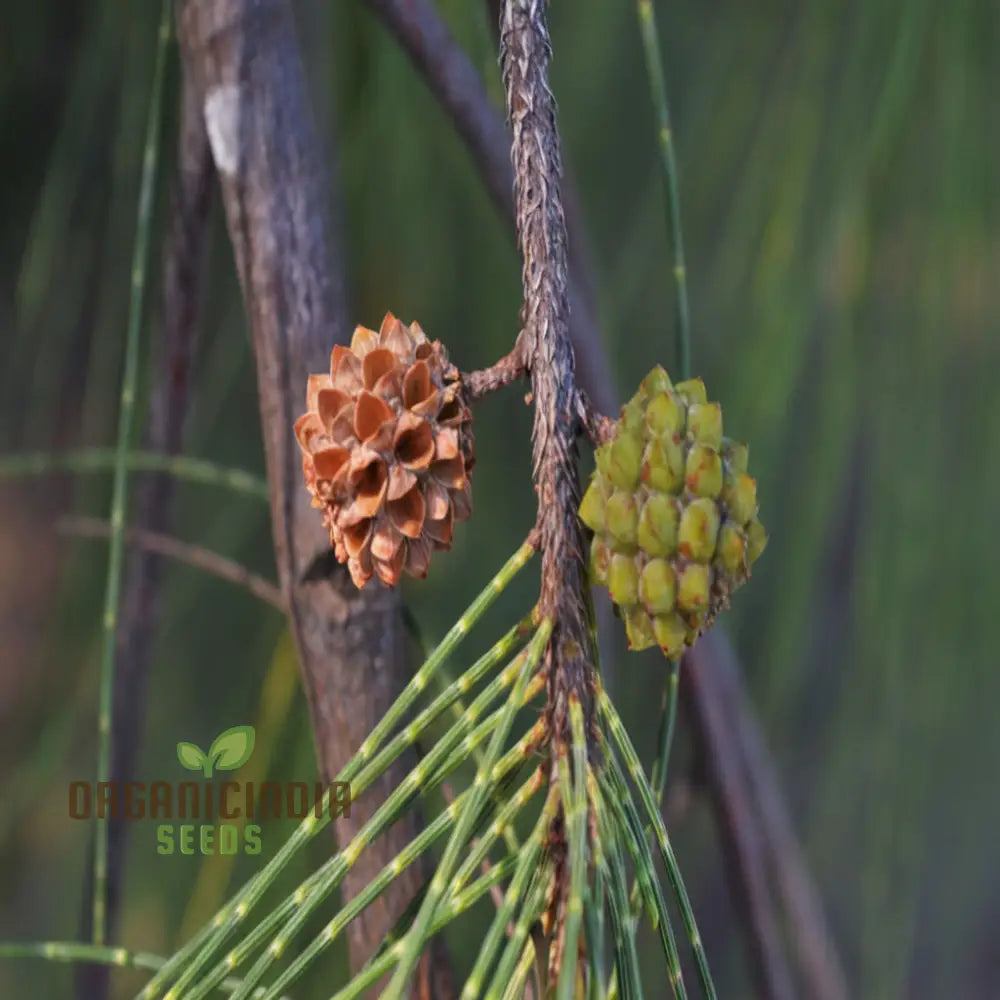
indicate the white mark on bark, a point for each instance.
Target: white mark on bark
{"x":222,"y":120}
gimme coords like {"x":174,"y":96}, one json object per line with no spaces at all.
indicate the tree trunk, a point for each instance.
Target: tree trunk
{"x":244,"y":57}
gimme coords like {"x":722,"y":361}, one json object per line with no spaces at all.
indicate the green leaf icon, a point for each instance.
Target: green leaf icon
{"x":232,"y":748}
{"x":191,"y":756}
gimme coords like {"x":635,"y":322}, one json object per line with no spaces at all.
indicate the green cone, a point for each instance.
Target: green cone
{"x":674,"y":514}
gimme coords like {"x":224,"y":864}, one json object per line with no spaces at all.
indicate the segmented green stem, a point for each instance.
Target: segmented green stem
{"x":449,"y":910}
{"x":574,"y":796}
{"x":480,"y":852}
{"x":335,"y":869}
{"x":314,"y":888}
{"x":658,"y":91}
{"x":612,"y":869}
{"x":515,"y":986}
{"x":119,"y":491}
{"x":239,"y":906}
{"x":417,"y":936}
{"x":519,"y":948}
{"x":594,"y":917}
{"x":387,"y":813}
{"x":458,"y":709}
{"x":652,"y":811}
{"x":527,"y":863}
{"x":668,"y":715}
{"x":503,"y":819}
{"x":181,"y":467}
{"x":392,"y":870}
{"x":445,"y":648}
{"x":630,"y":829}
{"x":665,"y":738}
{"x":74,"y":951}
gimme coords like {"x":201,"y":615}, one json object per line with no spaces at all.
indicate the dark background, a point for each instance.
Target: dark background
{"x":838,"y":167}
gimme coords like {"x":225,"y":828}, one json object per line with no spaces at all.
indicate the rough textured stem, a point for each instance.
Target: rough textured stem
{"x":182,"y":265}
{"x":524,"y":60}
{"x":548,"y":351}
{"x":245,"y":57}
{"x":508,"y":369}
{"x":458,"y":87}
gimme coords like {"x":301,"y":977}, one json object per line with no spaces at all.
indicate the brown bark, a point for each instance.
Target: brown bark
{"x":244,"y":57}
{"x":546,"y":348}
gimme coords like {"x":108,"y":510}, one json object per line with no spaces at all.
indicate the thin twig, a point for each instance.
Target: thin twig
{"x":173,"y":548}
{"x":508,"y":369}
{"x":597,"y":426}
{"x":458,"y":87}
{"x":89,"y":460}
{"x":658,"y":92}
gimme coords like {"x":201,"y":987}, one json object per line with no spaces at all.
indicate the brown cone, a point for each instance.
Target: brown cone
{"x":387,"y":449}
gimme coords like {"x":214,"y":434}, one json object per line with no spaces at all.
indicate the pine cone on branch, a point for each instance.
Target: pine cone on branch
{"x":674,"y":514}
{"x":387,"y":448}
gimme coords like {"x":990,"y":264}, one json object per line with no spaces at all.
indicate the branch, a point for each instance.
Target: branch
{"x":524,"y":57}
{"x":245,"y":58}
{"x":564,"y":600}
{"x":508,"y":369}
{"x":156,"y":543}
{"x":454,"y":81}
{"x":459,"y":89}
{"x":597,"y":426}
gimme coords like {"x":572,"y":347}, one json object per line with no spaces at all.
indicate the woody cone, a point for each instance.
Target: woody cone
{"x":387,"y":448}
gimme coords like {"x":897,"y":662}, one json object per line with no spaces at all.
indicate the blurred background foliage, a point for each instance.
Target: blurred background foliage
{"x":841,"y":207}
